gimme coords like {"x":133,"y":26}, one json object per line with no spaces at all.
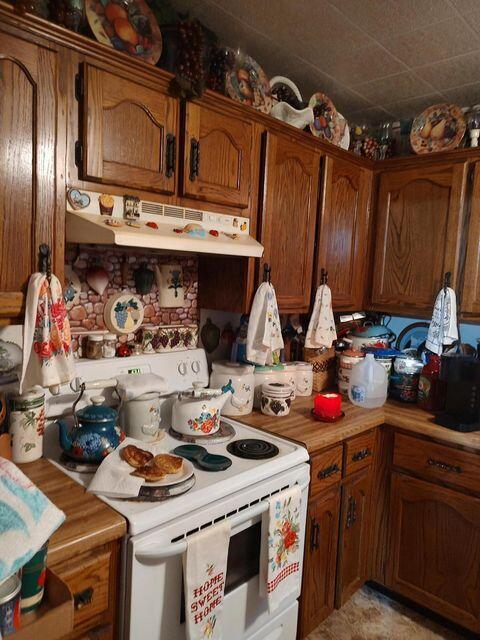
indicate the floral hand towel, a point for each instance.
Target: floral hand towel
{"x":321,"y":329}
{"x":264,"y":337}
{"x":281,"y":554}
{"x":47,"y":352}
{"x":205,"y":570}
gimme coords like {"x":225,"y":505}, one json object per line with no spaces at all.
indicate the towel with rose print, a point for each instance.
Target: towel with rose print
{"x":47,"y":351}
{"x":204,"y":570}
{"x":281,"y":550}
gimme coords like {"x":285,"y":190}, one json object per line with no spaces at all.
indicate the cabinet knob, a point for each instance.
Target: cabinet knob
{"x":83,"y":598}
{"x":445,"y":466}
{"x":171,"y":155}
{"x":361,"y":455}
{"x":314,"y":535}
{"x":328,"y":471}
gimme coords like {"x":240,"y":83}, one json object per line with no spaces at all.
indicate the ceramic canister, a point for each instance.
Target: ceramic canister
{"x":348,"y":359}
{"x":304,"y":379}
{"x":262,"y":374}
{"x":33,"y":580}
{"x":27,"y":425}
{"x":276,"y":398}
{"x":10,"y":605}
{"x":290,"y":375}
{"x":242,"y":379}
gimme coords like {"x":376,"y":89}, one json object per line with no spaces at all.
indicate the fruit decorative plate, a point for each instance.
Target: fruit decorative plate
{"x":439,"y":128}
{"x":326,"y":123}
{"x":248,"y":84}
{"x":123,"y":313}
{"x":127,"y":26}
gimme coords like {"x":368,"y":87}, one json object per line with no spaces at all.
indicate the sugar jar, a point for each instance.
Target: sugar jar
{"x":262,"y":374}
{"x":276,"y":398}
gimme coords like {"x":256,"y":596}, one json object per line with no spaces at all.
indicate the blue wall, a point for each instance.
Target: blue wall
{"x":468,"y":332}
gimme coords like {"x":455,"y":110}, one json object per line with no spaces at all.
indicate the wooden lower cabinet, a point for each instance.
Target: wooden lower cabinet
{"x":318,"y":590}
{"x":435,"y":549}
{"x":354,"y":536}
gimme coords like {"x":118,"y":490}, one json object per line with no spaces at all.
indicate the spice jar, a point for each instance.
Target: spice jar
{"x":109,"y":345}
{"x":405,"y":377}
{"x":95,"y":347}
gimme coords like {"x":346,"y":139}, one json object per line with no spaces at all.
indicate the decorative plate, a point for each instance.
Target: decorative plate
{"x":413,"y":336}
{"x":129,"y":27}
{"x":344,"y":133}
{"x":439,"y":128}
{"x":123,"y":313}
{"x":248,"y":84}
{"x":326,"y":123}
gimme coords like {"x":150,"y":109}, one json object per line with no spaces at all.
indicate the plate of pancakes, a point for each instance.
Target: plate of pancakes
{"x":161,"y":470}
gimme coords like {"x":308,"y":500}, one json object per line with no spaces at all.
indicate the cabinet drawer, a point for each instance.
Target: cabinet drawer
{"x":88,"y":579}
{"x":437,"y":462}
{"x":359,"y":452}
{"x":326,"y":469}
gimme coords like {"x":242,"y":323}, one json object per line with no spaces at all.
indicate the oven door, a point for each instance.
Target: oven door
{"x":154,"y":607}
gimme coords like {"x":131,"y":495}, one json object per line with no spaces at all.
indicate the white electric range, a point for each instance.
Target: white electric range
{"x":152,"y":583}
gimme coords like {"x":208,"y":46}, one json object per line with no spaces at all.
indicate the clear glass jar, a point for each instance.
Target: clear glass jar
{"x":109,"y":345}
{"x":95,"y":347}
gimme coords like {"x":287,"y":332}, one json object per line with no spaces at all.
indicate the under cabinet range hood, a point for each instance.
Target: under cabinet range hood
{"x":131,"y":222}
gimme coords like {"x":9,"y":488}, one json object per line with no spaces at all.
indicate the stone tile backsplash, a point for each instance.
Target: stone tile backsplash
{"x":87,"y":315}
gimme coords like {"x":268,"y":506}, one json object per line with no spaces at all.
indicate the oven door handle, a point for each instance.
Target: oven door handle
{"x":157,"y":553}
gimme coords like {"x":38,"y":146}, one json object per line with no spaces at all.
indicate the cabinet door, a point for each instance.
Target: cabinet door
{"x":418,"y":236}
{"x":217,"y":156}
{"x":471,"y":281}
{"x":28,"y":111}
{"x":288,"y":218}
{"x":343,"y":232}
{"x":129,"y":133}
{"x":435,"y":549}
{"x":318,"y":589}
{"x":354,"y":536}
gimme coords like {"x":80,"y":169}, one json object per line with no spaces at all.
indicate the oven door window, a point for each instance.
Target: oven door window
{"x":243,"y":561}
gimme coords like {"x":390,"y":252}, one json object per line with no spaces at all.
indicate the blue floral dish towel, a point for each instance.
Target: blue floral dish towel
{"x":27,"y":519}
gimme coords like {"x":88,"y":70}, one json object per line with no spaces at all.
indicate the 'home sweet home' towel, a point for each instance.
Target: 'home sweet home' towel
{"x":204,"y":569}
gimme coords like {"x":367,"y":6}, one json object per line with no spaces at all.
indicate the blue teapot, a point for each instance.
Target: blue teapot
{"x":95,"y":433}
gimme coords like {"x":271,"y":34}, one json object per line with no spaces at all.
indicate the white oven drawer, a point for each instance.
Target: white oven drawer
{"x":283,"y":627}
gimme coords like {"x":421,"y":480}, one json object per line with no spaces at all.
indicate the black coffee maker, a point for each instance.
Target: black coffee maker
{"x":462,"y":405}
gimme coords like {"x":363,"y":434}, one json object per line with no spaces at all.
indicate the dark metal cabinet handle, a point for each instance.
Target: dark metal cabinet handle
{"x":170,"y":153}
{"x":445,"y":466}
{"x":361,"y":455}
{"x":328,"y":471}
{"x":314,"y":535}
{"x":351,"y":513}
{"x":83,"y":598}
{"x":194,"y":159}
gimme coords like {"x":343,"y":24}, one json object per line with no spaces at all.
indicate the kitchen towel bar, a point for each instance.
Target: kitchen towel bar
{"x":157,"y":553}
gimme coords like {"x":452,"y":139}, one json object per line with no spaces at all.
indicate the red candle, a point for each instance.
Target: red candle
{"x":328,"y":405}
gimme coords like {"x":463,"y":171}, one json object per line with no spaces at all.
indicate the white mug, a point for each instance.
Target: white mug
{"x":171,"y":290}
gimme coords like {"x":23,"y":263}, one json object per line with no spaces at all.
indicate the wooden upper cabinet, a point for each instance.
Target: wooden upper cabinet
{"x":471,"y":282}
{"x":28,"y":112}
{"x":217,"y":156}
{"x":343,"y":232}
{"x":435,"y":549}
{"x":288,"y":217}
{"x":418,"y":234}
{"x":129,"y":133}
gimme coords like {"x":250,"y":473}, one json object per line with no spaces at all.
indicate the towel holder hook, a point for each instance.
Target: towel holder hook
{"x":323,"y":276}
{"x":45,"y":260}
{"x":447,"y":278}
{"x":267,"y":273}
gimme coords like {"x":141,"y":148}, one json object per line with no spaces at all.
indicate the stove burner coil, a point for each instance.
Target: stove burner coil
{"x":252,"y":449}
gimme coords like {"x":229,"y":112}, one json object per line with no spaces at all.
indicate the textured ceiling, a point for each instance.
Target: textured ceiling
{"x":377,"y":59}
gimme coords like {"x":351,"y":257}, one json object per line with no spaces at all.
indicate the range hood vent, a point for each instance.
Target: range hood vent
{"x":175,"y":229}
